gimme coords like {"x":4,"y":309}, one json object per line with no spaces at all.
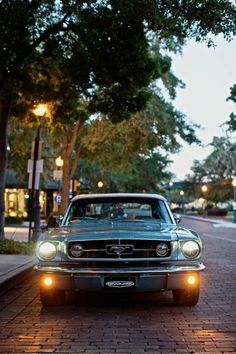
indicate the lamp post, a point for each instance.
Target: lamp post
{"x":182,"y":198}
{"x":204,"y":190}
{"x":35,"y":166}
{"x":234,"y":202}
{"x":59,"y":163}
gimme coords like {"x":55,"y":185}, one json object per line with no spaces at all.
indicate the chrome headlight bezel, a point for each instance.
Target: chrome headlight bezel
{"x":190,"y":249}
{"x":47,"y":250}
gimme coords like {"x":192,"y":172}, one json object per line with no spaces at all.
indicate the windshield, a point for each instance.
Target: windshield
{"x":118,"y":209}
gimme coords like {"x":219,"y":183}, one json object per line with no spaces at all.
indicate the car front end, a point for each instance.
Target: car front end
{"x":129,"y":255}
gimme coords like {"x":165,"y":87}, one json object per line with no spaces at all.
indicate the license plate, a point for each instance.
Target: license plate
{"x":120,"y":283}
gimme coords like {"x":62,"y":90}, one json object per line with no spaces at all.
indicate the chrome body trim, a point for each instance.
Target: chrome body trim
{"x":155,"y":270}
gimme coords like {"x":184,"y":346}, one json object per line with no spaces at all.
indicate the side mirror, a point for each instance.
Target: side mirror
{"x":54,"y":221}
{"x":177,"y":218}
{"x":59,"y":219}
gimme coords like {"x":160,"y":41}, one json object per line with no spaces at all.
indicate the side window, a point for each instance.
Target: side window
{"x":164,"y":212}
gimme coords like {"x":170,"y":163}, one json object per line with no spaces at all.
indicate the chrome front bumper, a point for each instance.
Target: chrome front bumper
{"x":167,"y":277}
{"x":172,"y":268}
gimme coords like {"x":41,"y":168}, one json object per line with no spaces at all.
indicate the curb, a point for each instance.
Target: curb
{"x":200,"y":218}
{"x":221,"y":222}
{"x":16,"y":276}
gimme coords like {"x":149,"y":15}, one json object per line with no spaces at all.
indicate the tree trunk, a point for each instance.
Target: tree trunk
{"x":5,"y":105}
{"x":70,"y":140}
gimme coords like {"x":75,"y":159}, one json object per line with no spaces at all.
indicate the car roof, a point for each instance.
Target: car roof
{"x":119,"y":195}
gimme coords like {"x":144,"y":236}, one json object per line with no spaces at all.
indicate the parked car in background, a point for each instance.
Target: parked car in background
{"x":119,"y":243}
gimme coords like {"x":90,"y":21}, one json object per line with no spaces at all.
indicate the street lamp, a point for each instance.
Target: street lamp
{"x":100,"y":184}
{"x":40,"y":110}
{"x":59,"y":163}
{"x":35,"y":166}
{"x":204,"y":188}
{"x":234,"y":202}
{"x":182,"y":199}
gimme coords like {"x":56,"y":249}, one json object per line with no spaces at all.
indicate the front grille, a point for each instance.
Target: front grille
{"x":110,"y":264}
{"x":119,"y":249}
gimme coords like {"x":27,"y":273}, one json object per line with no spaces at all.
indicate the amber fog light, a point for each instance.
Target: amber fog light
{"x":47,"y":281}
{"x":192,"y":279}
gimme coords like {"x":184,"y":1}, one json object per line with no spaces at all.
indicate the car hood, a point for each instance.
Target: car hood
{"x":119,"y":230}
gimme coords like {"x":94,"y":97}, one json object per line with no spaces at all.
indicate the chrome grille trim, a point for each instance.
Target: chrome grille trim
{"x":132,"y":246}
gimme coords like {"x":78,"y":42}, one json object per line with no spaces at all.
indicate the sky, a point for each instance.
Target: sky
{"x":208,"y":74}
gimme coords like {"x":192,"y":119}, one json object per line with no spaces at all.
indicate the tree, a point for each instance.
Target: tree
{"x":20,"y":140}
{"x":102,"y":45}
{"x":216,"y":170}
{"x":144,"y":173}
{"x":232,"y":121}
{"x":158,"y":127}
{"x":49,"y":50}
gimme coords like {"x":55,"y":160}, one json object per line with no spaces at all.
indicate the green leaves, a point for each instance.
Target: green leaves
{"x":232,"y":121}
{"x":217,"y":169}
{"x":97,"y":57}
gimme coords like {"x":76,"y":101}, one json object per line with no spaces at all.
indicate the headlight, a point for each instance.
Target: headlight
{"x":162,"y":249}
{"x":76,"y":250}
{"x":191,"y":249}
{"x":47,"y":251}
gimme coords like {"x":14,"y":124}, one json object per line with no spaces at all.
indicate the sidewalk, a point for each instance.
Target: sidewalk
{"x":217,"y":221}
{"x":13,"y":268}
{"x":17,"y":233}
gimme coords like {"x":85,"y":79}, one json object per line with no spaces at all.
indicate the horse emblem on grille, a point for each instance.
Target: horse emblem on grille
{"x":119,"y":249}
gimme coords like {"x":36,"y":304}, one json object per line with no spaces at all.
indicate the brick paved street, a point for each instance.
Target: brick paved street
{"x":137,"y":324}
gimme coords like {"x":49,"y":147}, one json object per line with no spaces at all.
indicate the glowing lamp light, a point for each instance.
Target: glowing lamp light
{"x":100,"y":184}
{"x":40,"y":110}
{"x":191,"y":280}
{"x":234,"y":182}
{"x":47,"y":281}
{"x":204,"y":188}
{"x":59,"y":161}
{"x":181,"y":192}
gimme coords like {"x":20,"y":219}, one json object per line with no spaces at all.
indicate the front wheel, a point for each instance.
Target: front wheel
{"x":186,"y":297}
{"x":52,"y":297}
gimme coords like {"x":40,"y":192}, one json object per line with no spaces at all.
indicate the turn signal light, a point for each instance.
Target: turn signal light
{"x":47,"y":281}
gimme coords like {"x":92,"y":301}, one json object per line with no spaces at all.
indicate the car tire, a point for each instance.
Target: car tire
{"x":53,"y":297}
{"x":186,"y":297}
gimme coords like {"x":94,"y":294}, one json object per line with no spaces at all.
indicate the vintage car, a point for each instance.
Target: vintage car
{"x":119,"y":243}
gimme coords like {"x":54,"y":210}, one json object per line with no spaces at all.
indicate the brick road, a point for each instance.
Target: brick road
{"x":137,"y":324}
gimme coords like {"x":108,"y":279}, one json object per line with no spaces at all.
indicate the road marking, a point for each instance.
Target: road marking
{"x":219,"y":238}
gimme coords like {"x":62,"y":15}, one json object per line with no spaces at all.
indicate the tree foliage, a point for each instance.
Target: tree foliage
{"x":144,"y":173}
{"x":92,"y":49}
{"x":217,"y":170}
{"x":232,"y":121}
{"x":21,"y":136}
{"x":220,"y":164}
{"x":158,"y":128}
